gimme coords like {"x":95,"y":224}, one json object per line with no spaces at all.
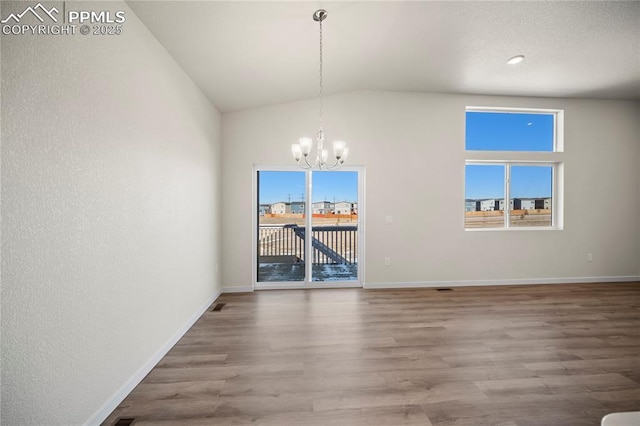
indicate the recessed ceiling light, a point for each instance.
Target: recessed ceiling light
{"x":515,"y":60}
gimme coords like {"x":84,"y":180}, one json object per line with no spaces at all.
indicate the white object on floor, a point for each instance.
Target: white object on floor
{"x":622,"y":419}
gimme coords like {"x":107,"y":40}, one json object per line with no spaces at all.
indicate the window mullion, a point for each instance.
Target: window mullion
{"x":507,"y":196}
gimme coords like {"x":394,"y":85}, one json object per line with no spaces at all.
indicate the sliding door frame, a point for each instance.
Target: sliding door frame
{"x":307,"y":283}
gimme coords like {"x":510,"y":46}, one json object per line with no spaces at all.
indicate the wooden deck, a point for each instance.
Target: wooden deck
{"x":554,"y":355}
{"x":277,"y":272}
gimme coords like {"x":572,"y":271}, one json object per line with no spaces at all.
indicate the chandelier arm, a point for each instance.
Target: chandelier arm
{"x":304,"y":167}
{"x":334,"y":166}
{"x":309,"y":165}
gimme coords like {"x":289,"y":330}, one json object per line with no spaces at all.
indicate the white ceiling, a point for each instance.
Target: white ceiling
{"x":250,"y":54}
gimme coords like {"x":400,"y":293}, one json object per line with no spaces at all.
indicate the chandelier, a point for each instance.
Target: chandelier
{"x":302,"y":149}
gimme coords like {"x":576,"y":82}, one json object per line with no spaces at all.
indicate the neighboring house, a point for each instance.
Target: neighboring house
{"x":297,"y":207}
{"x":280,"y":208}
{"x":532,"y":203}
{"x":343,"y":207}
{"x":264,"y":209}
{"x":527,"y":204}
{"x":322,"y":207}
{"x":493,"y":204}
{"x":501,"y":204}
{"x":517,"y":203}
{"x":489,"y":205}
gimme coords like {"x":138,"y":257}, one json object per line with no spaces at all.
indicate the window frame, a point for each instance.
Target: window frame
{"x":507,"y":192}
{"x":553,"y":159}
{"x":558,"y":125}
{"x":306,"y":284}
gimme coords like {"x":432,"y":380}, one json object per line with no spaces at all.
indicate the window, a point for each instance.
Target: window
{"x":514,"y":157}
{"x":484,"y":184}
{"x":510,"y":131}
{"x":530,"y":195}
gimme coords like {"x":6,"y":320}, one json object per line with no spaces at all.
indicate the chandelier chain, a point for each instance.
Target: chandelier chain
{"x":321,"y":75}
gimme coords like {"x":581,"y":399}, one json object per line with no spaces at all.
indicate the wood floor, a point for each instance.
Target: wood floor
{"x":552,"y":355}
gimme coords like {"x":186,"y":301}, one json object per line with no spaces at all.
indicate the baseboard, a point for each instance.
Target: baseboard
{"x":113,"y":402}
{"x":434,"y":284}
{"x":239,"y":289}
{"x":526,"y":281}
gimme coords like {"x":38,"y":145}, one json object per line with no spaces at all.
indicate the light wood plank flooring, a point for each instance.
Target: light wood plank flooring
{"x":548,"y":355}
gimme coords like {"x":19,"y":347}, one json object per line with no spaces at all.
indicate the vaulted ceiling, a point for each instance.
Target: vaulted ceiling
{"x":250,"y":54}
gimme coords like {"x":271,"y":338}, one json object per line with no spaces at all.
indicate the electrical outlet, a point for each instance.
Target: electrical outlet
{"x":589,"y":257}
{"x":387,"y":261}
{"x":388,"y":219}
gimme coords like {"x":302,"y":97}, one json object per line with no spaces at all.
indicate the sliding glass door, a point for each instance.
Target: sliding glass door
{"x":335,"y":226}
{"x":281,"y":225}
{"x":307,"y":228}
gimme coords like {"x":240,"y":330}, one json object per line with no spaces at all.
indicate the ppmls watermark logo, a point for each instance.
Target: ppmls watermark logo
{"x":56,"y":19}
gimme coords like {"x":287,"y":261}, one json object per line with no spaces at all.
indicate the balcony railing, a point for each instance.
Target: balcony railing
{"x":331,"y":244}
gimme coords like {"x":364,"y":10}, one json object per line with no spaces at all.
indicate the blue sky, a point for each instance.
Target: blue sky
{"x":508,"y":132}
{"x":487,"y":181}
{"x":290,"y":186}
{"x":491,"y":131}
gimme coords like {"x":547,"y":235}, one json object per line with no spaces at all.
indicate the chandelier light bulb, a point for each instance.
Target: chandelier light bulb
{"x":338,"y":149}
{"x":324,"y":156}
{"x":305,"y":145}
{"x":345,"y":154}
{"x":296,"y":151}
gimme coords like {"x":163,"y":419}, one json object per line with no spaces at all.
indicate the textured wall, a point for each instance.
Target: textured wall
{"x":412,"y":146}
{"x":637,"y":121}
{"x":110,"y":214}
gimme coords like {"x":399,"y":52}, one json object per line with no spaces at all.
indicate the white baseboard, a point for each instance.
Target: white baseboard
{"x":525,"y":281}
{"x":113,"y":402}
{"x":434,"y":284}
{"x":239,"y":289}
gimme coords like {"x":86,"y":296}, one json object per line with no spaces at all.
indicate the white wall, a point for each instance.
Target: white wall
{"x":412,"y":146}
{"x":110,"y":215}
